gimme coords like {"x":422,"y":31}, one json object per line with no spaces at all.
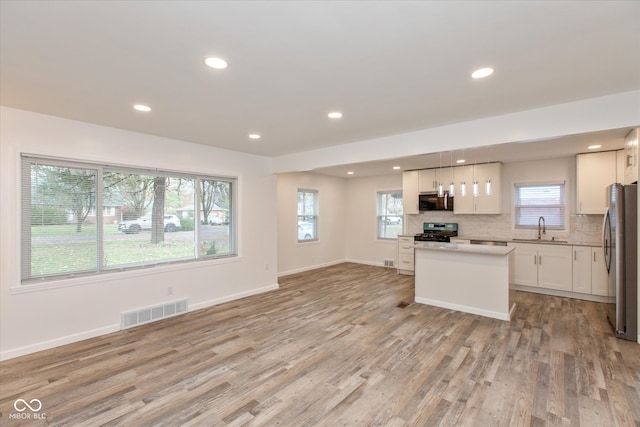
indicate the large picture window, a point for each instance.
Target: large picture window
{"x":81,"y":218}
{"x":307,"y":215}
{"x":389,"y":214}
{"x":533,"y":201}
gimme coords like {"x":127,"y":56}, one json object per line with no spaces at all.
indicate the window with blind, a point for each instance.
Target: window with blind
{"x":307,"y":215}
{"x":533,"y":201}
{"x":389,"y":214}
{"x":83,"y":218}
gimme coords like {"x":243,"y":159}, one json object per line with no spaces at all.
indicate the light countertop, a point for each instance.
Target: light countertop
{"x":464,"y":248}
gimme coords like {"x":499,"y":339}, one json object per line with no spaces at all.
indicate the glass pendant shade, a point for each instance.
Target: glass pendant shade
{"x":440,"y":190}
{"x":475,"y":189}
{"x":463,"y":189}
{"x":487,"y":187}
{"x":452,"y":190}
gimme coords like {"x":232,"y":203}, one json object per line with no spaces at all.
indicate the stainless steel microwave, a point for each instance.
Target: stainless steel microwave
{"x":433,"y":202}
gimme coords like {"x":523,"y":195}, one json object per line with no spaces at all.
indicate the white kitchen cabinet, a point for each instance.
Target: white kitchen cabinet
{"x":410,"y":192}
{"x":595,"y":171}
{"x":406,"y":252}
{"x":428,"y":179}
{"x":582,"y":269}
{"x":543,"y":266}
{"x":589,"y":271}
{"x":525,"y":265}
{"x":483,"y":203}
{"x":599,"y":276}
{"x":631,"y":157}
{"x":489,"y":203}
{"x":620,"y":166}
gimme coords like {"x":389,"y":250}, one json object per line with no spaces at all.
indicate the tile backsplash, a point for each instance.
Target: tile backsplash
{"x":582,"y":228}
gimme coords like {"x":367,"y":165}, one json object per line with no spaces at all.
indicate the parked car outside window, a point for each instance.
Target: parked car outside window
{"x":171,"y":224}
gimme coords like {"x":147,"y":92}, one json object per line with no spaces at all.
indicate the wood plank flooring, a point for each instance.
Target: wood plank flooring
{"x":337,"y":347}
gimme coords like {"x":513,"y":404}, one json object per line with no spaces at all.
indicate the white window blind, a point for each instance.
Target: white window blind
{"x":85,"y":218}
{"x":533,"y":201}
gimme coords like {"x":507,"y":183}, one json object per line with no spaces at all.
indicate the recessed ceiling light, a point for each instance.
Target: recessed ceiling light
{"x":334,"y":115}
{"x":593,"y":147}
{"x":254,"y":136}
{"x":460,"y":161}
{"x":350,"y":173}
{"x":217,"y":63}
{"x":396,"y":168}
{"x":141,"y":107}
{"x":482,"y":72}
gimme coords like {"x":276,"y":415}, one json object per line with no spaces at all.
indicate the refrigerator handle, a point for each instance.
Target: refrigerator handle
{"x":606,"y":239}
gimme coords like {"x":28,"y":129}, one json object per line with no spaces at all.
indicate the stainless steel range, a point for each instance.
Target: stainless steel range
{"x":437,"y":232}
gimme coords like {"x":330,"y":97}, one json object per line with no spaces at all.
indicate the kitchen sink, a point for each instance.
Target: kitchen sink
{"x":540,"y":241}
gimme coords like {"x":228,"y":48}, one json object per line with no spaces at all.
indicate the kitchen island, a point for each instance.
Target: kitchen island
{"x":470,"y":278}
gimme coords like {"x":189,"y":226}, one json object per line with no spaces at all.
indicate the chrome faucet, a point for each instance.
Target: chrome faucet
{"x":544,"y":227}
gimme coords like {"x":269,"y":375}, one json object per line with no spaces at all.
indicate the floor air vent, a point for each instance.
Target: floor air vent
{"x":388,"y":263}
{"x":151,"y":314}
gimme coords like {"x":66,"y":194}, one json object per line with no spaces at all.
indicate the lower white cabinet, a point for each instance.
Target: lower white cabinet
{"x":406,"y":259}
{"x":544,"y":266}
{"x":578,"y":269}
{"x":589,"y":271}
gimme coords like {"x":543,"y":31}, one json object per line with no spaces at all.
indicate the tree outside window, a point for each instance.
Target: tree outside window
{"x":307,"y":215}
{"x":390,"y":214}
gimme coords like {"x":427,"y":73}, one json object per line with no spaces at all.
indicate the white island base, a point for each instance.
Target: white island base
{"x":469,"y":278}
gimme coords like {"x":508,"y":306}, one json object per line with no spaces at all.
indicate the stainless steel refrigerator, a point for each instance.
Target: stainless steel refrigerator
{"x":620,"y":245}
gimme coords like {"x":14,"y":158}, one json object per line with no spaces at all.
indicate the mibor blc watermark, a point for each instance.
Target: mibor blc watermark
{"x":27,"y":410}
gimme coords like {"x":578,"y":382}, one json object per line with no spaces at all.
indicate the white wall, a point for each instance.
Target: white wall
{"x":363,"y":244}
{"x":330,"y":248}
{"x":74,"y":309}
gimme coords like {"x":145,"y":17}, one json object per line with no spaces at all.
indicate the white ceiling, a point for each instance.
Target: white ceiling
{"x":390,"y":66}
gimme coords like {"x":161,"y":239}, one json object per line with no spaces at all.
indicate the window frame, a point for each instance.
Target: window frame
{"x":564,"y":206}
{"x":26,"y":162}
{"x":380,"y":216}
{"x":314,"y":215}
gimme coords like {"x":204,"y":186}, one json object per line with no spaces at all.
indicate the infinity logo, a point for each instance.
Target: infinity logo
{"x":24,"y":405}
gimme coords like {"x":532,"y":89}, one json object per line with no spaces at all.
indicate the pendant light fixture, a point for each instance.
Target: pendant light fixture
{"x":475,"y":190}
{"x":463,"y":185}
{"x":452,"y":187}
{"x":440,"y":186}
{"x":487,"y":184}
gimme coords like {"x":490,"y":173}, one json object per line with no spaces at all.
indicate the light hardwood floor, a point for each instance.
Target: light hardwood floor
{"x":340,"y":346}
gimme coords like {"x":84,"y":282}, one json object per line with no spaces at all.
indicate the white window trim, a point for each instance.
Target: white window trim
{"x":391,"y":240}
{"x":316,"y":216}
{"x":567,"y":205}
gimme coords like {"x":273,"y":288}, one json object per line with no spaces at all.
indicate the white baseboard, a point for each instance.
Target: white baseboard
{"x":463,"y":308}
{"x":233,"y":297}
{"x":311,"y":267}
{"x":328,"y":264}
{"x":57,"y":342}
{"x":559,"y":293}
{"x":46,"y":345}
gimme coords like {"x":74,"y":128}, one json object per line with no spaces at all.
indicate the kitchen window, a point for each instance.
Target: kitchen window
{"x":307,"y":215}
{"x":533,"y":201}
{"x":389,"y":214}
{"x":83,"y":218}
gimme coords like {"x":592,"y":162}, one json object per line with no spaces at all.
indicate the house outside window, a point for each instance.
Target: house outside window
{"x":307,"y":215}
{"x":535,"y":200}
{"x":71,"y":227}
{"x":390,"y":214}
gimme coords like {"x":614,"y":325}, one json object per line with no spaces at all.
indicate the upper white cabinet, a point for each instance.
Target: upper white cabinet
{"x":483,"y":202}
{"x":410,"y":192}
{"x":428,"y":179}
{"x":595,"y":171}
{"x":631,"y":157}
